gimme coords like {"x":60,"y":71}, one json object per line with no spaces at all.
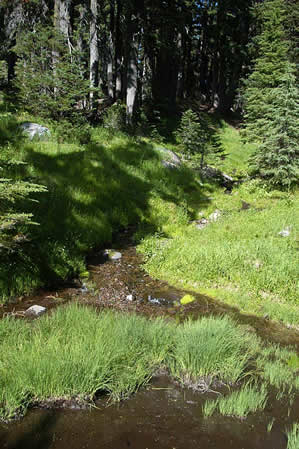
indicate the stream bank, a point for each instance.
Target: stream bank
{"x":164,"y":414}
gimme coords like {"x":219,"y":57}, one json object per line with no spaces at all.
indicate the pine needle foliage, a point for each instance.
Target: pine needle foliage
{"x":50,"y":78}
{"x":192,"y":135}
{"x":13,"y":189}
{"x":271,"y":96}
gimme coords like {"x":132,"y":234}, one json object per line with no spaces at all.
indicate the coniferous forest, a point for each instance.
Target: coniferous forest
{"x":149,"y":165}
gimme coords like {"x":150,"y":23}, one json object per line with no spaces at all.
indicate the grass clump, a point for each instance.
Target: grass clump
{"x":76,"y":353}
{"x":293,"y":437}
{"x":239,"y":403}
{"x":277,"y":366}
{"x":210,"y":349}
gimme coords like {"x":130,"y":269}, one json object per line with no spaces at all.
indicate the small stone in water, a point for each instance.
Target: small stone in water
{"x":112,"y":255}
{"x":35,"y":310}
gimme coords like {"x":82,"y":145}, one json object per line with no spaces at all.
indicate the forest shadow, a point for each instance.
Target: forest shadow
{"x":94,"y":192}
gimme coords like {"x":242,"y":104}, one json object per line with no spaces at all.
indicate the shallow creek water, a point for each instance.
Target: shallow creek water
{"x":163,"y":415}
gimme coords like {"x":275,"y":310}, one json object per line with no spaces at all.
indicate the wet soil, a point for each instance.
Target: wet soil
{"x":163,"y":415}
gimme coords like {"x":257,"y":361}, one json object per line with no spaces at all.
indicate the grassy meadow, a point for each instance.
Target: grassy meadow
{"x":240,"y":259}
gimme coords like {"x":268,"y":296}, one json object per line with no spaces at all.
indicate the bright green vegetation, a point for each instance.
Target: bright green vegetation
{"x":240,"y":259}
{"x":78,"y":353}
{"x":279,"y":367}
{"x":239,"y":403}
{"x":237,"y":152}
{"x":293,"y":437}
{"x":211,"y":348}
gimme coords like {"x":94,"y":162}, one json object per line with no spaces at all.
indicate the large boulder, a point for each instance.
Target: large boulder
{"x":170,"y":158}
{"x":34,"y":130}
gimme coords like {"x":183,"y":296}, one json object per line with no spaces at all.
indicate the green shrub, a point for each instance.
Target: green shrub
{"x":114,"y":118}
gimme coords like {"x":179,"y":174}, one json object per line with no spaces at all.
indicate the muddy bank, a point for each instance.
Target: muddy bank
{"x":123,"y":284}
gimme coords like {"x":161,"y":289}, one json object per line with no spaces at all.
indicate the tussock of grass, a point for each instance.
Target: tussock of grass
{"x":293,"y":437}
{"x":276,"y":368}
{"x":76,"y":353}
{"x":240,"y":403}
{"x":212,"y":348}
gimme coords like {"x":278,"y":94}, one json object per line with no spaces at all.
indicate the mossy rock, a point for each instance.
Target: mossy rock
{"x":187,"y":299}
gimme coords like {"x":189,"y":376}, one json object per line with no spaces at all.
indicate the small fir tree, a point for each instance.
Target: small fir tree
{"x":198,"y":138}
{"x":192,"y":134}
{"x":13,"y":189}
{"x":271,"y":101}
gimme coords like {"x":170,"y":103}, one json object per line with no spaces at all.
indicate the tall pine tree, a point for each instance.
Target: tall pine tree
{"x":271,"y":98}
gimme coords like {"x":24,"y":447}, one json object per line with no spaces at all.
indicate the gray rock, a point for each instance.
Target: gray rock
{"x":202,"y":223}
{"x":168,"y":164}
{"x":213,"y":173}
{"x":112,"y":254}
{"x":34,"y":130}
{"x":172,"y":160}
{"x":215,"y":215}
{"x":35,"y":310}
{"x":285,"y":232}
{"x":83,"y":289}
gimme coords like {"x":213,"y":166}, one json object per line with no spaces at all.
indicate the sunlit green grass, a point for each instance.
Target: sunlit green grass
{"x":76,"y":353}
{"x":238,"y":153}
{"x":212,"y":348}
{"x":293,"y":437}
{"x":249,"y":399}
{"x":241,"y":258}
